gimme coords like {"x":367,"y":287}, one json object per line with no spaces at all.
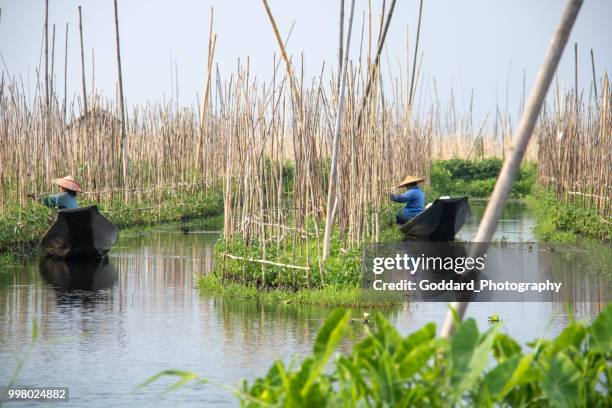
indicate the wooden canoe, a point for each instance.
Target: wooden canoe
{"x":440,"y":221}
{"x":80,"y":233}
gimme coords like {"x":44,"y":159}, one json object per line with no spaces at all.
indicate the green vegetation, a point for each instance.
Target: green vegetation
{"x":289,"y":269}
{"x":475,"y":178}
{"x":327,"y":296}
{"x":21,"y":227}
{"x":292,"y":273}
{"x":564,"y":222}
{"x":241,"y":276}
{"x":473,"y":368}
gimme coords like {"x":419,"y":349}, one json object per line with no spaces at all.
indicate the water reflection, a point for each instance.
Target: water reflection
{"x":138,"y":312}
{"x":89,"y":275}
{"x":516,"y":223}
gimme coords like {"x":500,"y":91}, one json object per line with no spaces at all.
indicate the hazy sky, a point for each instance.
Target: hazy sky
{"x":468,"y":45}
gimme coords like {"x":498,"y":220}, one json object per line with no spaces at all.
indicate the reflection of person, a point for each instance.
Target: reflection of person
{"x":414,"y":198}
{"x":66,"y":199}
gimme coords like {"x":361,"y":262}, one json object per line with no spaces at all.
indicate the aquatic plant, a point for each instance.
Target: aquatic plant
{"x":336,"y":295}
{"x":472,"y":368}
{"x":561,"y":221}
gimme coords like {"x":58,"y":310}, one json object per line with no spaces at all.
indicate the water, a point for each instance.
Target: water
{"x":104,"y":332}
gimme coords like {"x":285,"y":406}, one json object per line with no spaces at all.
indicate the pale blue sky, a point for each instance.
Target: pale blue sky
{"x":467,"y":45}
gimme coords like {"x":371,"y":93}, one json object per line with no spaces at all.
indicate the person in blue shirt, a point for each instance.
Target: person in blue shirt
{"x":66,"y":199}
{"x":414,"y":198}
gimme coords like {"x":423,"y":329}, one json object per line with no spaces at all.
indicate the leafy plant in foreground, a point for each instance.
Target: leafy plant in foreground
{"x":471,"y":369}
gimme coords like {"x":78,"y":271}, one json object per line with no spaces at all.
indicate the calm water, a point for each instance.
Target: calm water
{"x":108,"y":326}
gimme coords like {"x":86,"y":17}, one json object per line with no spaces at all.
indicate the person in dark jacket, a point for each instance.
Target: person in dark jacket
{"x":414,"y":198}
{"x":66,"y":199}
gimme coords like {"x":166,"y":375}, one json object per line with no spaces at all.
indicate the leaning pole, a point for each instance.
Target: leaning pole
{"x":521,"y":138}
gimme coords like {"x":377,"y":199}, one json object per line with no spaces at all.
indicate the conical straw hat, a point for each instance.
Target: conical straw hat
{"x":409,"y":180}
{"x":69,"y":183}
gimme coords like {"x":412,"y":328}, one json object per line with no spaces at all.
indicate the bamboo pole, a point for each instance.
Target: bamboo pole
{"x":124,"y":147}
{"x":340,"y":43}
{"x":521,"y":138}
{"x":333,"y":174}
{"x":83,"y":64}
{"x":414,"y":60}
{"x":576,"y":75}
{"x":372,"y":74}
{"x":594,"y":77}
{"x":52,"y":76}
{"x":64,"y":105}
{"x":47,"y":96}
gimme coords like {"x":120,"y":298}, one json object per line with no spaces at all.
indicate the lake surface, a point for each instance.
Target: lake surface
{"x":106,"y":327}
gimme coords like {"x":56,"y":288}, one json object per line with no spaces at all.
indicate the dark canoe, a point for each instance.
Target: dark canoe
{"x":441,"y":221}
{"x":80,"y":233}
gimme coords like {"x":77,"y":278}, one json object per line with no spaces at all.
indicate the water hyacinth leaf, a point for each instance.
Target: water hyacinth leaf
{"x":415,"y":339}
{"x":561,"y":382}
{"x":462,"y":347}
{"x":386,"y":333}
{"x":326,"y":342}
{"x":331,"y":333}
{"x":417,"y":358}
{"x":571,"y":336}
{"x":470,"y":355}
{"x":601,"y":331}
{"x":505,"y":347}
{"x":507,"y":375}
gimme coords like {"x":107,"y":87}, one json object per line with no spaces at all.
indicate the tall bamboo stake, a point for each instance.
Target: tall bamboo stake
{"x":83,"y":64}
{"x":521,"y":139}
{"x":52,"y":76}
{"x":414,"y":60}
{"x":333,"y":173}
{"x":65,"y":75}
{"x":340,"y":43}
{"x":124,"y":153}
{"x":594,"y":77}
{"x":374,"y":69}
{"x":576,"y":74}
{"x":47,"y":96}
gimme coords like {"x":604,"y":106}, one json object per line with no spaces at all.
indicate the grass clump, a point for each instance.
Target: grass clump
{"x":294,"y":267}
{"x":326,"y":296}
{"x":565,"y":222}
{"x":476,"y":178}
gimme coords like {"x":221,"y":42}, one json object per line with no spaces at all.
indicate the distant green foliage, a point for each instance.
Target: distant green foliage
{"x":563,"y":222}
{"x":174,"y":208}
{"x":477,"y":178}
{"x":473,"y":368}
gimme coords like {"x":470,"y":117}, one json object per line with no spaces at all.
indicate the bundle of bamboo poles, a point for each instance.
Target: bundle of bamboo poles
{"x":88,"y":146}
{"x":575,"y":150}
{"x":278,"y":160}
